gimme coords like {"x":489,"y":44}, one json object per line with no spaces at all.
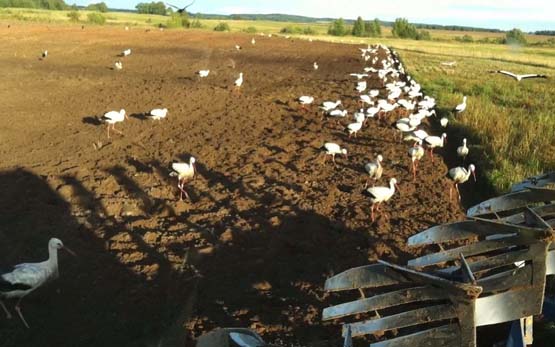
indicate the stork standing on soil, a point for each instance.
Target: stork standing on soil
{"x":126,"y":52}
{"x":114,"y":117}
{"x":158,"y":113}
{"x":315,"y":65}
{"x":203,"y":73}
{"x":118,"y":65}
{"x":433,"y":142}
{"x":374,"y":169}
{"x":462,"y":151}
{"x":184,"y":173}
{"x":460,"y":175}
{"x":305,"y":100}
{"x":239,"y":82}
{"x":353,"y":128}
{"x":332,"y":149}
{"x":26,"y":277}
{"x":378,"y":195}
{"x":416,"y":152}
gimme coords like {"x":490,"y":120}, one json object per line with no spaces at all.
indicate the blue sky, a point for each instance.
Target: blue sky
{"x":528,"y":15}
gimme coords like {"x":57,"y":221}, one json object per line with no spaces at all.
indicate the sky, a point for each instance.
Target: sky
{"x":528,"y":15}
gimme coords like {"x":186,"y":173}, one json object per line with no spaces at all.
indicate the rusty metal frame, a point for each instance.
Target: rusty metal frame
{"x":491,"y":268}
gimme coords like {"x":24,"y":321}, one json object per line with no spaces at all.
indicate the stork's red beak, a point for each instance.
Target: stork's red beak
{"x":474,"y":175}
{"x":69,"y":251}
{"x":397,"y":186}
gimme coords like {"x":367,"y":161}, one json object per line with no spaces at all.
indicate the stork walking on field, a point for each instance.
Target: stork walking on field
{"x":332,"y":149}
{"x":184,"y":172}
{"x":239,"y":82}
{"x":378,"y":195}
{"x":460,"y":175}
{"x":374,"y":169}
{"x":433,"y":142}
{"x":114,"y":117}
{"x":416,"y":152}
{"x":25,"y":278}
{"x":305,"y":100}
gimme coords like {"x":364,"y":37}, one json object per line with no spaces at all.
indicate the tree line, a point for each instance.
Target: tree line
{"x":360,"y":28}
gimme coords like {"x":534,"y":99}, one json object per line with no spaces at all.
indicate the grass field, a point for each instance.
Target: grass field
{"x":509,"y":125}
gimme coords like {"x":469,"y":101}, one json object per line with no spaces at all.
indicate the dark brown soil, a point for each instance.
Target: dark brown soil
{"x":268,"y":223}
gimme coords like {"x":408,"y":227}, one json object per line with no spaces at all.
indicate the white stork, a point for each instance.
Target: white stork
{"x":158,"y":113}
{"x":443,"y":122}
{"x":374,"y":169}
{"x":416,"y":152}
{"x":435,"y":141}
{"x":184,"y":173}
{"x":381,"y":194}
{"x":461,"y":107}
{"x":203,"y":73}
{"x":305,"y":100}
{"x":519,"y":77}
{"x":460,"y":175}
{"x":114,"y":117}
{"x":332,"y":149}
{"x":25,"y":278}
{"x":462,"y":151}
{"x":315,"y":65}
{"x":353,"y":128}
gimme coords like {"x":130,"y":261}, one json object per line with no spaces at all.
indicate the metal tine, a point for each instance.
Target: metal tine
{"x":445,"y":336}
{"x":550,"y":263}
{"x":467,"y":272}
{"x":492,"y":262}
{"x":348,"y":342}
{"x":454,"y":288}
{"x":533,"y":219}
{"x":540,"y":210}
{"x":404,"y":319}
{"x":507,"y":280}
{"x":462,"y":230}
{"x":369,"y":276}
{"x":512,"y":201}
{"x":381,"y":301}
{"x":469,"y":250}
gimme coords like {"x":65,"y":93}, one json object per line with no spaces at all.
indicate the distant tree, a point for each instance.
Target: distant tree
{"x":96,"y":18}
{"x":222,"y":26}
{"x":373,"y":28}
{"x":73,"y":16}
{"x":423,"y":35}
{"x":152,"y":8}
{"x":465,"y":38}
{"x":403,"y":29}
{"x":515,"y":36}
{"x":359,"y":28}
{"x":338,"y":28}
{"x":100,"y":7}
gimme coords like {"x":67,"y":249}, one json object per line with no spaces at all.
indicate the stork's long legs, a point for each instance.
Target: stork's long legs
{"x":180,"y":185}
{"x":116,"y":130}
{"x":8,"y":314}
{"x":18,"y":310}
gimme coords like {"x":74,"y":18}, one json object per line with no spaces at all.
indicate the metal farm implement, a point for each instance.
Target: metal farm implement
{"x":490,"y":268}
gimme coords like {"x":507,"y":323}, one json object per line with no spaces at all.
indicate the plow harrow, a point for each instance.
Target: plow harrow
{"x":488,"y":269}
